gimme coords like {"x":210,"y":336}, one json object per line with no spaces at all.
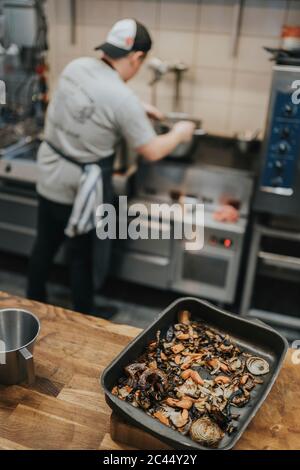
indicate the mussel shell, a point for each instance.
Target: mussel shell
{"x":235,"y":364}
{"x":206,"y":432}
{"x":257,"y":366}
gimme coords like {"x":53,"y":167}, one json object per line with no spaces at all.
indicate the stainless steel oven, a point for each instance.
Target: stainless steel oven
{"x":213,"y":271}
{"x":278,"y":190}
{"x":148,"y":262}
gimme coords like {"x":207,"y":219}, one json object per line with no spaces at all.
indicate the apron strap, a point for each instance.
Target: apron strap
{"x":89,"y":193}
{"x":105,"y":163}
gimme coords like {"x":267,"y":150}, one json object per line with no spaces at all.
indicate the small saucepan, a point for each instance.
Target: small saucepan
{"x":19,"y":330}
{"x":184,"y":149}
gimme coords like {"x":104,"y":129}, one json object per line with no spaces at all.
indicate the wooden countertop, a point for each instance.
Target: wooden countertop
{"x":66,"y":409}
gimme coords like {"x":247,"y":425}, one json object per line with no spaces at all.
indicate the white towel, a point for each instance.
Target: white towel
{"x":89,"y":196}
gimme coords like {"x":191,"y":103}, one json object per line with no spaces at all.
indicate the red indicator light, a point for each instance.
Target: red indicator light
{"x":227,"y":243}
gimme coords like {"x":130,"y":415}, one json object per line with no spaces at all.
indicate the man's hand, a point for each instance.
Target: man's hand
{"x":185,"y":130}
{"x":163,"y":145}
{"x":153,"y":112}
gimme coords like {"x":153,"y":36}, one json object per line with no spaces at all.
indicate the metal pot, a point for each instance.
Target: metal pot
{"x":184,"y":149}
{"x":18,"y":332}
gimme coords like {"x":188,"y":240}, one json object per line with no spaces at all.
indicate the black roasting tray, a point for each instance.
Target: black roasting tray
{"x":252,"y":336}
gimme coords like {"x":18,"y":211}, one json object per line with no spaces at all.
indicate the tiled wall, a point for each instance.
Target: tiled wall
{"x":229,"y":93}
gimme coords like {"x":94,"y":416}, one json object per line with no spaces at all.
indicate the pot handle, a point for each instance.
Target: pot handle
{"x":28,"y":357}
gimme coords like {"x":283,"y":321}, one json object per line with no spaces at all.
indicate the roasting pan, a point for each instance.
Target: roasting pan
{"x":253,"y":336}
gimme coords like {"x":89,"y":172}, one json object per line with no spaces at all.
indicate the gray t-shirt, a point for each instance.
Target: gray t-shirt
{"x":91,"y":110}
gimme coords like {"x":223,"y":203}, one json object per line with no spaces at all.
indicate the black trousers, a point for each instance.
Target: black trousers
{"x":52,"y":221}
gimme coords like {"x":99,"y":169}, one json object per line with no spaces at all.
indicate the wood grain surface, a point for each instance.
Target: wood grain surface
{"x":66,"y":409}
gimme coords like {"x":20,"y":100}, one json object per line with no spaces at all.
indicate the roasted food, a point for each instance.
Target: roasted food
{"x":257,"y":366}
{"x":206,"y":432}
{"x":191,"y":379}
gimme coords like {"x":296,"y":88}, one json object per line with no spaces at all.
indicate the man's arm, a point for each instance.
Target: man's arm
{"x":153,"y":112}
{"x":162,"y":145}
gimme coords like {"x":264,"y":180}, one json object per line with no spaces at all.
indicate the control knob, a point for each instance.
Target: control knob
{"x":288,"y":110}
{"x":278,"y":165}
{"x":282,"y":147}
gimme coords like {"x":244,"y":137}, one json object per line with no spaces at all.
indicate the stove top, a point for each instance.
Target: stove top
{"x":210,"y":222}
{"x":294,"y":61}
{"x":211,"y":186}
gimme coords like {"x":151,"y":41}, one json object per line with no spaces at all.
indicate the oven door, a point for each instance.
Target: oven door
{"x":211,"y":273}
{"x":147,"y":262}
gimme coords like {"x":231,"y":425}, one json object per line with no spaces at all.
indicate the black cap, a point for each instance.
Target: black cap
{"x":126,"y":36}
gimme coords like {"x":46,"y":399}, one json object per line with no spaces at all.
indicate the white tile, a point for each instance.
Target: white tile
{"x":142,"y":91}
{"x":155,"y":36}
{"x":167,"y":85}
{"x":93,"y":36}
{"x":63,"y":42}
{"x":178,"y":14}
{"x":52,"y":34}
{"x":177,"y":45}
{"x":61,"y":62}
{"x":145,"y":11}
{"x":53,"y":72}
{"x":140,"y":84}
{"x":251,"y":55}
{"x":213,"y":114}
{"x":251,"y":88}
{"x":50,"y":9}
{"x":59,"y":35}
{"x":213,"y":84}
{"x":216,"y":16}
{"x":165,"y":104}
{"x":62,"y":9}
{"x":98,"y":12}
{"x":213,"y":50}
{"x":247,"y":117}
{"x":263,"y":18}
{"x":293,"y":15}
{"x":187,"y":106}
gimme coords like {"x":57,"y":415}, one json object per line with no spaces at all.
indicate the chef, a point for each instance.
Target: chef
{"x":90,"y":111}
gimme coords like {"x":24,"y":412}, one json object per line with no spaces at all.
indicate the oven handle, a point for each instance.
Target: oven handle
{"x":163,"y":227}
{"x":284,"y":261}
{"x":157,"y":260}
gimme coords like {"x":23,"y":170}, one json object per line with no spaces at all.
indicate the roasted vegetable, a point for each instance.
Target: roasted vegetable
{"x":206,"y":432}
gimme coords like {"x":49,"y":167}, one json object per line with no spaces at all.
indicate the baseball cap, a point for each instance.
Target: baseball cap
{"x":126,"y":36}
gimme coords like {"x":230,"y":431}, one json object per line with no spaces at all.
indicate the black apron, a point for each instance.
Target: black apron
{"x":101,"y":248}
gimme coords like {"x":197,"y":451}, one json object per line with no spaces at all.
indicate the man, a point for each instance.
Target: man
{"x":89,"y":113}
